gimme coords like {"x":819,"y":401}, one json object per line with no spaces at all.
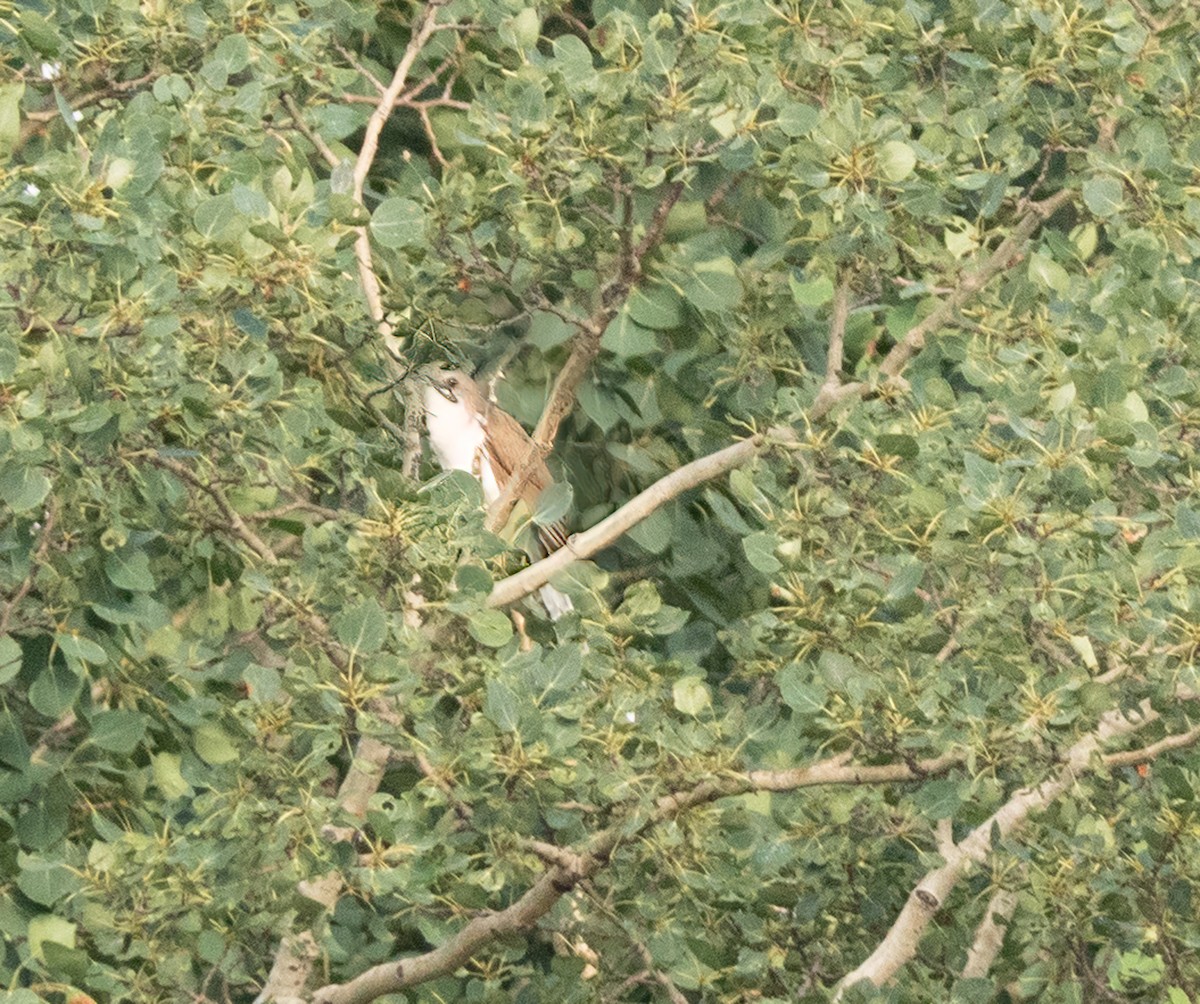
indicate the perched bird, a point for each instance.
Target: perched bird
{"x":470,"y":433}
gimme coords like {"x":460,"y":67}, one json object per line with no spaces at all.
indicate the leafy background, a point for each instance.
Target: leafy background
{"x":223,"y":571}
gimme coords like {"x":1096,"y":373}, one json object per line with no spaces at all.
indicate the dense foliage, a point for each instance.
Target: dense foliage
{"x":937,"y":257}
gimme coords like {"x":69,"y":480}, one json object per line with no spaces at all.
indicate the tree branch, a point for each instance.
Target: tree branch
{"x":568,"y":868}
{"x":587,"y":543}
{"x":1004,"y":257}
{"x":989,"y":935}
{"x":585,"y":348}
{"x":930,"y":893}
{"x":369,"y":280}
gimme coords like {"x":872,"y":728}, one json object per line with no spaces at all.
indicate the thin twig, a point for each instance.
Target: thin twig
{"x":234,"y":522}
{"x":309,"y":133}
{"x":372,"y":289}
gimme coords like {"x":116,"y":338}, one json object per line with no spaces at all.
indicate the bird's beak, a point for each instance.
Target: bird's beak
{"x":435,"y":376}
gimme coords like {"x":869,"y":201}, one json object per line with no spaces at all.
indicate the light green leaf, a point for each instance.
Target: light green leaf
{"x":896,"y":160}
{"x":627,"y":339}
{"x":46,"y":929}
{"x":362,"y":627}
{"x":213,"y":745}
{"x":10,"y":117}
{"x":691,"y":695}
{"x":76,"y":647}
{"x":54,"y":690}
{"x":490,"y":627}
{"x":796,"y":119}
{"x":713,"y":285}
{"x":1045,"y":271}
{"x":217,"y":218}
{"x":760,"y":552}
{"x":22,"y":487}
{"x":167,"y":775}
{"x":800,"y":691}
{"x":812,"y":293}
{"x":398,"y":222}
{"x":10,"y":658}
{"x":655,"y":306}
{"x":1104,"y":195}
{"x":45,"y":881}
{"x":129,"y":568}
{"x":501,"y":706}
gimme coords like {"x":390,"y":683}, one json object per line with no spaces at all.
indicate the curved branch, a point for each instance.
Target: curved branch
{"x":587,"y":543}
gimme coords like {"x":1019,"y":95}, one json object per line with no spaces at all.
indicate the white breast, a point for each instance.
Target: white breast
{"x":458,"y":438}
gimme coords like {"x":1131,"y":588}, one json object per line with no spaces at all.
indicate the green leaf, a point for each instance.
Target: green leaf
{"x":362,"y":627}
{"x":896,"y":160}
{"x":45,"y":881}
{"x":691,"y":695}
{"x":1045,"y":271}
{"x":655,"y":306}
{"x":1104,"y":195}
{"x":939,"y":798}
{"x":217,"y":219}
{"x":906,"y":580}
{"x":501,"y":706}
{"x":813,"y":293}
{"x":213,"y":745}
{"x":10,"y":117}
{"x":760,"y":551}
{"x":800,"y":691}
{"x":10,"y":658}
{"x":54,"y":691}
{"x":129,"y":568}
{"x":573,"y":60}
{"x":80,"y":648}
{"x":118,"y":730}
{"x":22,"y":487}
{"x":168,"y":777}
{"x":490,"y":627}
{"x":796,"y":119}
{"x":626,"y":338}
{"x":713,"y":285}
{"x":48,"y":929}
{"x":398,"y":223}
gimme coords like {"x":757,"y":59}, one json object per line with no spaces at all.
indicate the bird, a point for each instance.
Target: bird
{"x":468,"y":432}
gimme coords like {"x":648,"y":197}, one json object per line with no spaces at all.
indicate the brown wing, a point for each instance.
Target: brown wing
{"x":509,"y":444}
